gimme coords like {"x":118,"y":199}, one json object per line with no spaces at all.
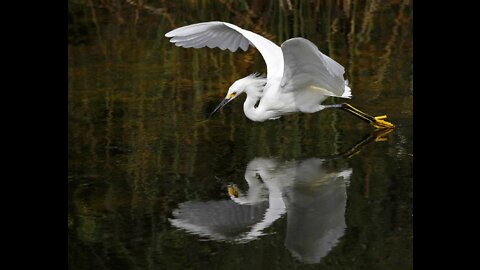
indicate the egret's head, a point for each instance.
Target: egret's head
{"x":233,"y":191}
{"x":252,"y":85}
{"x":237,"y":195}
{"x":254,"y":195}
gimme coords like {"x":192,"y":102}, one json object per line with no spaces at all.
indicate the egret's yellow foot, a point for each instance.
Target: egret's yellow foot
{"x":377,"y":122}
{"x":380,"y":123}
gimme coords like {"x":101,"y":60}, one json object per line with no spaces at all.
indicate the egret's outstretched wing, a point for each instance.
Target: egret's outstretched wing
{"x":309,"y":69}
{"x":228,"y":36}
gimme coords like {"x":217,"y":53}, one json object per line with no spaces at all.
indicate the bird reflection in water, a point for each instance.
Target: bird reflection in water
{"x":311,"y":192}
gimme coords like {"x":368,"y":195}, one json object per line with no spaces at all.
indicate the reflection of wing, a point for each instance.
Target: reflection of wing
{"x":306,"y":68}
{"x":316,"y":212}
{"x":218,"y":220}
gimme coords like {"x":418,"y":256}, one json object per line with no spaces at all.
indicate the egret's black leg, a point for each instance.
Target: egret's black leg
{"x":376,"y":121}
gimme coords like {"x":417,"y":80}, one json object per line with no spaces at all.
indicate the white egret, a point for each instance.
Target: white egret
{"x":299,"y":77}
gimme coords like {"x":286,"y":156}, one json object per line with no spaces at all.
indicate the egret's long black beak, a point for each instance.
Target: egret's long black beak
{"x":223,"y":103}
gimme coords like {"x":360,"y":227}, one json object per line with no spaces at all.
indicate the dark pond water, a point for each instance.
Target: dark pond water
{"x":149,"y":180}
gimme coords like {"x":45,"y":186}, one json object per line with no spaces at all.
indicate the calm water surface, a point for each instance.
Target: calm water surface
{"x":148,"y":178}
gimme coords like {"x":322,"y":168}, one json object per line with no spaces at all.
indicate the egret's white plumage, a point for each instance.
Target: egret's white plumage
{"x":228,"y":36}
{"x":299,"y":76}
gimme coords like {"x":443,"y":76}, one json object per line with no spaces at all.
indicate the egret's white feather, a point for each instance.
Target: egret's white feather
{"x":348,"y":91}
{"x":228,"y":36}
{"x":307,"y":68}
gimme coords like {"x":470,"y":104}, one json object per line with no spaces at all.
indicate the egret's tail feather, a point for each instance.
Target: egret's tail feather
{"x":348,"y":91}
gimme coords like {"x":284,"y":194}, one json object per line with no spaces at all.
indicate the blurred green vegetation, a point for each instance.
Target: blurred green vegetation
{"x":139,"y":145}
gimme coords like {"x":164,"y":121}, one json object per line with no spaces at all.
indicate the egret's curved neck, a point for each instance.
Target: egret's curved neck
{"x":249,"y":108}
{"x":255,"y":114}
